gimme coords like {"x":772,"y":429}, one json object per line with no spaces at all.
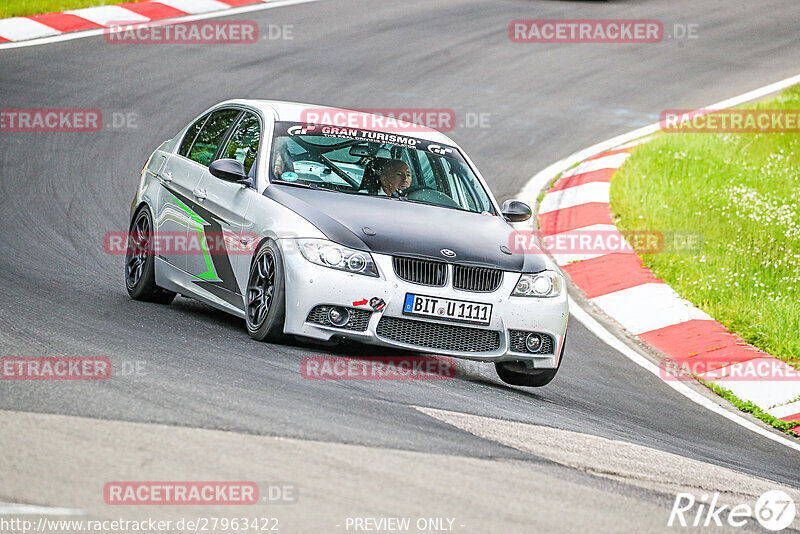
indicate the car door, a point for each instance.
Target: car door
{"x":180,"y":177}
{"x":188,"y":167}
{"x":225,"y":204}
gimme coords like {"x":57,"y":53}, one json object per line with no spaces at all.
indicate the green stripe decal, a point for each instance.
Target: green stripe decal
{"x":211,"y":272}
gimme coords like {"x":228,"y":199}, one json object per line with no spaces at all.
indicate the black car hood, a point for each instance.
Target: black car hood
{"x":407,"y":228}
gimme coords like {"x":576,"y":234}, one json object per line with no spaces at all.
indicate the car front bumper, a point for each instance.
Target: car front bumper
{"x":309,"y":285}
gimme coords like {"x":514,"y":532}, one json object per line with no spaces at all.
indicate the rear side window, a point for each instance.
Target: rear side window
{"x":191,"y":133}
{"x":209,"y":138}
{"x":243,"y":143}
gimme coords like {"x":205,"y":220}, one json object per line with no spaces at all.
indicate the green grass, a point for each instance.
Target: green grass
{"x":19,"y":8}
{"x":740,"y":193}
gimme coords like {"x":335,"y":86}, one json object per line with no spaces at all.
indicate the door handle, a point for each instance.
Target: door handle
{"x":167,"y":176}
{"x":199,"y":194}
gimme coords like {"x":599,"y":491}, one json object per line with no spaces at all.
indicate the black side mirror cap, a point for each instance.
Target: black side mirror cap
{"x":516,"y":211}
{"x":230,"y":170}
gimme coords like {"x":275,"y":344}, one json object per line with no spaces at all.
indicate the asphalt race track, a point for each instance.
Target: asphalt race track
{"x":63,"y":295}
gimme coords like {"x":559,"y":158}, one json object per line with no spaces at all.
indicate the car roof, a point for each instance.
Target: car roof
{"x":297,"y":112}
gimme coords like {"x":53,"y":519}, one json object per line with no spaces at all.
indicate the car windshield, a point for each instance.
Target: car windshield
{"x":364,"y":162}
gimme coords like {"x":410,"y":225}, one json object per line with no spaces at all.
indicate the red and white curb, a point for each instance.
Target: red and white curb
{"x":99,"y":18}
{"x":621,"y":286}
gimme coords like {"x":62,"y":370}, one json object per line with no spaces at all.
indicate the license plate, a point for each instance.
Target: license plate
{"x":447,"y":309}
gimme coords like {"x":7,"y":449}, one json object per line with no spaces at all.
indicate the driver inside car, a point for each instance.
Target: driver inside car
{"x":395,"y":175}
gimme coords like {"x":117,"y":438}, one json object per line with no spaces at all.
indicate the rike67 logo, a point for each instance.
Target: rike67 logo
{"x":774,"y":510}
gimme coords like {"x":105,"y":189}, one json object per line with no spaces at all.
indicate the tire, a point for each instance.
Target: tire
{"x":516,"y":374}
{"x":140,"y":271}
{"x":265,"y":296}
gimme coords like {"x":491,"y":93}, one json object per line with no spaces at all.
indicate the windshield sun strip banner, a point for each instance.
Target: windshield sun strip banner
{"x":309,"y":131}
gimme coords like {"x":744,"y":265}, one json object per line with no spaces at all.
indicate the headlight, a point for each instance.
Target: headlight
{"x":543,"y":284}
{"x":329,"y":254}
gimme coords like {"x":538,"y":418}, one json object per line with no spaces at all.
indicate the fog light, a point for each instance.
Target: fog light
{"x":338,"y":316}
{"x":533,"y":342}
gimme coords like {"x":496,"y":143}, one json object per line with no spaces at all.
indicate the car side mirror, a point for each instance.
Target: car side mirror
{"x":516,"y":211}
{"x":230,"y":170}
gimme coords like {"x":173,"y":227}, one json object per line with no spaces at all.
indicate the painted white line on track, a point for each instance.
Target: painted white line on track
{"x":11,"y":508}
{"x":202,"y":16}
{"x":540,"y":180}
